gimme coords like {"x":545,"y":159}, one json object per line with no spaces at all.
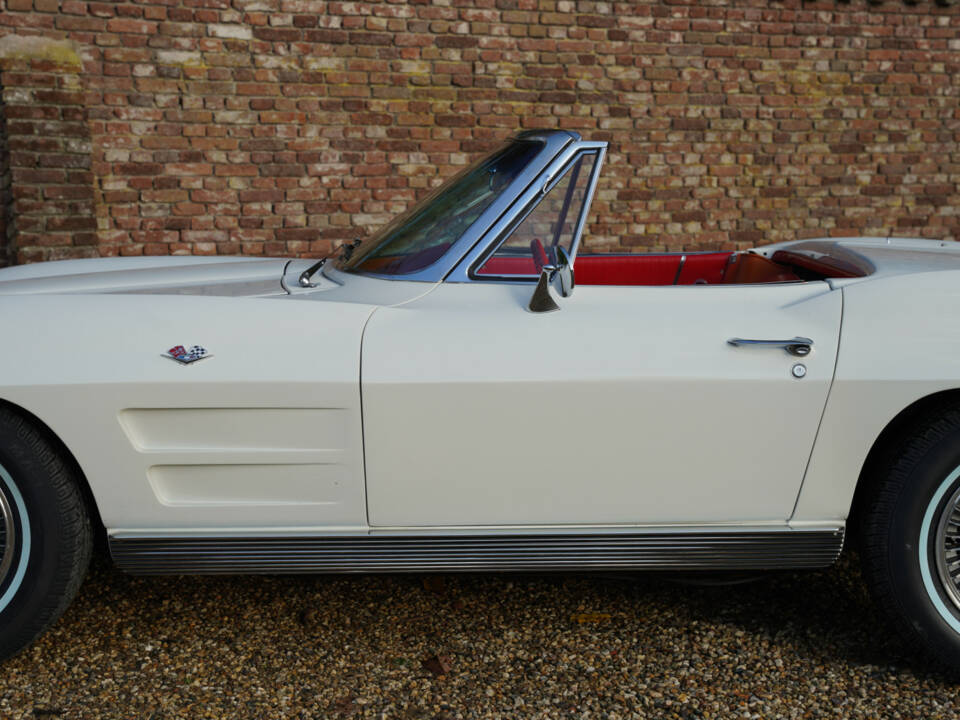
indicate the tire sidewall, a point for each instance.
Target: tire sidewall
{"x":41,"y":531}
{"x":914,"y":580}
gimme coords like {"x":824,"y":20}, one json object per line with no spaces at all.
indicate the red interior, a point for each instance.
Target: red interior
{"x":706,"y":267}
{"x":637,"y":269}
{"x":539,"y":253}
{"x":509,"y":265}
{"x":651,"y":269}
{"x":627,"y":270}
{"x":711,"y":268}
{"x":828,"y":267}
{"x":729,"y":268}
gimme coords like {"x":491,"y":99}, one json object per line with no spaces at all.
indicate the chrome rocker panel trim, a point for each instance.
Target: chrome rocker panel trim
{"x":700,"y":550}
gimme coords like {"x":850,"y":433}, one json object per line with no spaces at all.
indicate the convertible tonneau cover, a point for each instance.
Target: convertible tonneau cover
{"x":877,"y":258}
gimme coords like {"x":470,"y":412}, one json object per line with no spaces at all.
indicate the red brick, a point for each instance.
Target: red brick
{"x":129,"y":25}
{"x":456,"y":41}
{"x":71,"y":222}
{"x":138,"y":169}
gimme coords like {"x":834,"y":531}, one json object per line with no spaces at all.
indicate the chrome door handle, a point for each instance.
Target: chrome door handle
{"x":798,"y":346}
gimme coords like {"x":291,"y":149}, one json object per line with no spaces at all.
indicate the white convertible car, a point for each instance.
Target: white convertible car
{"x":450,"y":395}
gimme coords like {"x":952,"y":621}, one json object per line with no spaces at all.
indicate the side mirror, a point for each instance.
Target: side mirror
{"x":563,"y":277}
{"x":560,"y":276}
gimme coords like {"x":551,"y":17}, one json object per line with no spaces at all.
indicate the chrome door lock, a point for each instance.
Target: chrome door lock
{"x":799,"y":370}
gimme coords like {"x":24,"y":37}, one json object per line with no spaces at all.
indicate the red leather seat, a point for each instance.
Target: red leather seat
{"x":703,"y":267}
{"x":750,"y":269}
{"x":626,"y":269}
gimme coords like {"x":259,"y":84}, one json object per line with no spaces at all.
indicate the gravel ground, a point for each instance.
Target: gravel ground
{"x":788,"y":646}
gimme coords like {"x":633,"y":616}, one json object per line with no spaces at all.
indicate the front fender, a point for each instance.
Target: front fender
{"x":263,"y":434}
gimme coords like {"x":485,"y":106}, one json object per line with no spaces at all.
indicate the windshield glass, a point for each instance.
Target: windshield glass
{"x":420,"y":237}
{"x":551,"y":224}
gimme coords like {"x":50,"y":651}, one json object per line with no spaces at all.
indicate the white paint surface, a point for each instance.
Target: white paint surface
{"x":626,"y":406}
{"x":92,"y":368}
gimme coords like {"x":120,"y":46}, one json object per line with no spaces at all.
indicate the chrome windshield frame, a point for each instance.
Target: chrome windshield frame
{"x":499,"y":231}
{"x":554,"y":144}
{"x":587,"y":199}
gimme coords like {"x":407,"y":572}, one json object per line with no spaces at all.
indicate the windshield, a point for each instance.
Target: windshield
{"x":551,"y":224}
{"x":422,"y":235}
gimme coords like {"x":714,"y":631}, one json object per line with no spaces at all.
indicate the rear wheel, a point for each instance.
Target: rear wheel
{"x":911,"y":539}
{"x":45,"y":534}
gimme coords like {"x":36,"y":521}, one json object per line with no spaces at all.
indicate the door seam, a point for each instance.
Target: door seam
{"x":823,"y":413}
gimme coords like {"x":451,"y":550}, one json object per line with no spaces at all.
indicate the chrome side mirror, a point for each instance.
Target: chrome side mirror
{"x":541,"y":300}
{"x":563,"y":277}
{"x":560,"y":276}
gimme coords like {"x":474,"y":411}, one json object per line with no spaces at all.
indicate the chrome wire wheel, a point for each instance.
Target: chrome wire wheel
{"x":8,"y":535}
{"x":14,"y":538}
{"x":947,"y":548}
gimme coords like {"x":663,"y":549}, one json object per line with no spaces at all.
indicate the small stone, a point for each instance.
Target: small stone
{"x":437,"y":664}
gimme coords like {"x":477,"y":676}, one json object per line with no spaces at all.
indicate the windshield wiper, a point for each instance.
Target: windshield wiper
{"x":309,"y":273}
{"x":346,"y":251}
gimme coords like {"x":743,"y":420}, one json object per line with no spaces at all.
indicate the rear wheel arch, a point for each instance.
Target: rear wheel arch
{"x":906,"y":504}
{"x":886,"y":448}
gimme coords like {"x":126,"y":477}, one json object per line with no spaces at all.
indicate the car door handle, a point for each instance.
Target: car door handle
{"x":798,"y":346}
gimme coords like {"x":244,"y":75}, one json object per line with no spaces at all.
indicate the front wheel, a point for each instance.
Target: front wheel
{"x":45,"y":534}
{"x":910,"y":539}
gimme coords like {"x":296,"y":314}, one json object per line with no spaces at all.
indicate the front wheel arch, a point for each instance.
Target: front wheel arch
{"x":100,"y":533}
{"x":47,"y":533}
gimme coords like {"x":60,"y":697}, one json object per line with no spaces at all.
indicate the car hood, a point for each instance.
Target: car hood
{"x":188,"y":275}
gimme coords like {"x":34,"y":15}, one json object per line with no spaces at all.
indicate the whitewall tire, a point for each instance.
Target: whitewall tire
{"x":45,"y":533}
{"x":910,"y":539}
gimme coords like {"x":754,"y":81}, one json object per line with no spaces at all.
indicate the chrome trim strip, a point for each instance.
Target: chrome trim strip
{"x":701,"y":550}
{"x":683,"y":260}
{"x":588,"y":199}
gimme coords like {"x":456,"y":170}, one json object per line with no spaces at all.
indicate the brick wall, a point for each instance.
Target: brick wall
{"x":47,"y":158}
{"x":288,"y":126}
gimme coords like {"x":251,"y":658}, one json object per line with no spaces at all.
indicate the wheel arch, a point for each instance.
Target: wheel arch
{"x":886,"y":447}
{"x":67,"y":455}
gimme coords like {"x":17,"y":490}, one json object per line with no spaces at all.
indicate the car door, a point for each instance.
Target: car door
{"x":628,"y":406}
